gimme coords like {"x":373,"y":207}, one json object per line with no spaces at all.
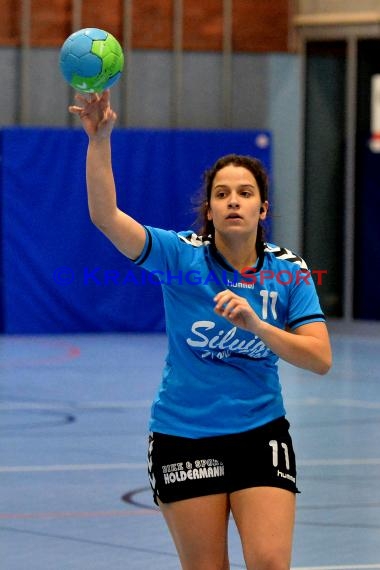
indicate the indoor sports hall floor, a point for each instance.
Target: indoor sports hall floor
{"x":73,"y":487}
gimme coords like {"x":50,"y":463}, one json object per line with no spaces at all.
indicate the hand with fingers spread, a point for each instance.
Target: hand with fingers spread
{"x":94,"y":110}
{"x":236,"y":310}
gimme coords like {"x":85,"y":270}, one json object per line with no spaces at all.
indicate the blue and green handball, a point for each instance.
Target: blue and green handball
{"x":91,"y":60}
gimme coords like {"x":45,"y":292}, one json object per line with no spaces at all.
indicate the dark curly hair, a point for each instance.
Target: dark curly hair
{"x":254,"y":166}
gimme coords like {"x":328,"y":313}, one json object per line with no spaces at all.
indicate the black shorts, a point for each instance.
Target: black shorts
{"x":182,"y":468}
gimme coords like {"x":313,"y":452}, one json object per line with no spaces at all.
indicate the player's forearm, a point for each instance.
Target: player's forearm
{"x":100,"y":181}
{"x":305,"y":351}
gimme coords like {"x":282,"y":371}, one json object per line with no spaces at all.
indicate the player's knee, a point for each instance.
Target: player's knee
{"x":269,"y":561}
{"x":205,"y":564}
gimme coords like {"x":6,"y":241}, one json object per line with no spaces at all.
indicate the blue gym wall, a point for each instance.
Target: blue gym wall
{"x":266,"y":96}
{"x":60,"y":274}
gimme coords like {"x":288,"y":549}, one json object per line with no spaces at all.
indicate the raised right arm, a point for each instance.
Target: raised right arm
{"x":98,"y":120}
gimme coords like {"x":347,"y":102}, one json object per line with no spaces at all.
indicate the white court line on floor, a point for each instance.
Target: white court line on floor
{"x":125,"y":466}
{"x":79,"y":467}
{"x":340,"y":567}
{"x":340,"y":402}
{"x":339,"y":462}
{"x":109,"y":405}
{"x":51,"y":406}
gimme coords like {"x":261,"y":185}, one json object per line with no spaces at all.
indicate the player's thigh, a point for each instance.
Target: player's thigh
{"x":199,"y":528}
{"x":265,"y":517}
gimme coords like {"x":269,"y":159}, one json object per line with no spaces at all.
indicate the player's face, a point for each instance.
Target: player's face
{"x":235,"y":201}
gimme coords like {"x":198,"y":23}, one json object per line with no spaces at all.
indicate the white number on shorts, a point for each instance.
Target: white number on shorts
{"x":274,"y":445}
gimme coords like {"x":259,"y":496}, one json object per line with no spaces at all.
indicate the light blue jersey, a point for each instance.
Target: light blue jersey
{"x":220,"y":379}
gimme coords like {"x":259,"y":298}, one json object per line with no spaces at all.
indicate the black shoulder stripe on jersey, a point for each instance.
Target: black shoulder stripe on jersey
{"x":149,"y":247}
{"x":286,"y":255}
{"x":306,"y":318}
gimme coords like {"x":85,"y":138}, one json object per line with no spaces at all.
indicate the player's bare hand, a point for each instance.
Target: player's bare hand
{"x":95,"y":112}
{"x":236,"y":310}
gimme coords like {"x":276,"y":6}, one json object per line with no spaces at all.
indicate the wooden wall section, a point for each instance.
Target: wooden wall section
{"x":258,"y":25}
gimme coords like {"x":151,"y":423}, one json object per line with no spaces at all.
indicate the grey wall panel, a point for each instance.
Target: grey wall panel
{"x":284,"y":120}
{"x":148,"y":97}
{"x":47,"y":90}
{"x":9,"y":64}
{"x":202,"y":97}
{"x":250,"y":82}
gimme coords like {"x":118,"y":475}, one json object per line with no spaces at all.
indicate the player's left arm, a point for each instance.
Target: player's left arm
{"x":308,"y":346}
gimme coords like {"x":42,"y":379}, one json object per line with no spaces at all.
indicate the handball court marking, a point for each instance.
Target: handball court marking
{"x":340,"y":567}
{"x":17,"y":405}
{"x":109,"y":405}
